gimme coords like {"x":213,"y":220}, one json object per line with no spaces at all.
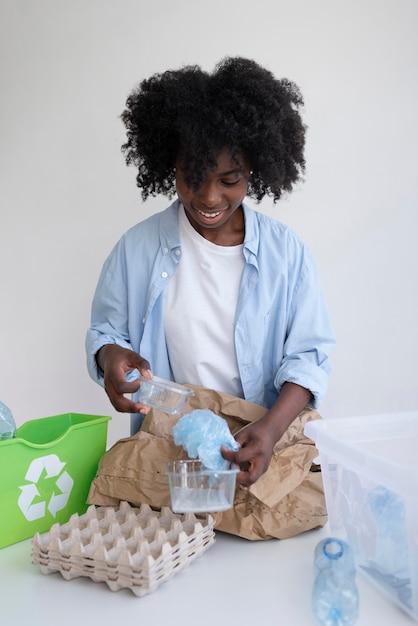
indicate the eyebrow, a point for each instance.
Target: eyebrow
{"x":237,"y":170}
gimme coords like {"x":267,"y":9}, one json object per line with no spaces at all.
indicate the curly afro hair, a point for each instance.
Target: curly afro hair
{"x":191,"y":115}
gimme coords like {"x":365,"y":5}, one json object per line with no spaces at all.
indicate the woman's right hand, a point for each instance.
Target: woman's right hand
{"x":116,"y":362}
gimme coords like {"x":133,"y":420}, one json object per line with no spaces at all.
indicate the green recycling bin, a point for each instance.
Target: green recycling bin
{"x":46,"y":472}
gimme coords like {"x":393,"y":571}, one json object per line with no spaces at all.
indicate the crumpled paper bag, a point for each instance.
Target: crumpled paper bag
{"x":286,"y":500}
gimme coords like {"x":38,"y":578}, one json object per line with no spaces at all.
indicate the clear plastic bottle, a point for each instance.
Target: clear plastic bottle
{"x":392,"y":549}
{"x":7,"y":423}
{"x":335,"y":598}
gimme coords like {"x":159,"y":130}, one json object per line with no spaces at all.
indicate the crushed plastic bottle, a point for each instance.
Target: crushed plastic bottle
{"x":391,"y":563}
{"x":7,"y":423}
{"x":335,"y":598}
{"x":392,"y":550}
{"x":202,"y":433}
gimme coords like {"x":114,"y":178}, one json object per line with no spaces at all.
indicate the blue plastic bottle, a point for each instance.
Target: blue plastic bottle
{"x":335,"y":599}
{"x":7,"y":423}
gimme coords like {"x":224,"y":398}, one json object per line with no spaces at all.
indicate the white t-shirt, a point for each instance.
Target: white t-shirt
{"x":199,"y":312}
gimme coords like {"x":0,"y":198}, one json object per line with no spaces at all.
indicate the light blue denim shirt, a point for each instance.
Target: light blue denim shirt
{"x":282,"y":327}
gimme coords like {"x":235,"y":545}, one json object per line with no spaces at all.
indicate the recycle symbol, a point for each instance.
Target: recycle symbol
{"x":52,"y":466}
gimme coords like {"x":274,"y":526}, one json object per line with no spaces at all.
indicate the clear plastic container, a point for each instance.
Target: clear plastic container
{"x":196,"y":489}
{"x":164,"y":395}
{"x":370,"y":470}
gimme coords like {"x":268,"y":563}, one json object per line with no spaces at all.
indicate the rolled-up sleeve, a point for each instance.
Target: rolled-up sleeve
{"x":309,"y":335}
{"x":109,"y":313}
{"x":283,"y":331}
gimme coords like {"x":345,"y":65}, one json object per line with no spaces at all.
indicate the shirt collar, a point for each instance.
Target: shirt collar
{"x":170,"y":235}
{"x":252,"y":230}
{"x":169,"y":228}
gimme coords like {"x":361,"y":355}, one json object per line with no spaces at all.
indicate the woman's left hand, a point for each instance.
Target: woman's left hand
{"x":253,"y":458}
{"x":259,"y":438}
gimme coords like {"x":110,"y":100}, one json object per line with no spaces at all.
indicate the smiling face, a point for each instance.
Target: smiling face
{"x":214,"y":209}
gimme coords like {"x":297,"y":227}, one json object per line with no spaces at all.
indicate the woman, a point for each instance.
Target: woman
{"x":210,"y":292}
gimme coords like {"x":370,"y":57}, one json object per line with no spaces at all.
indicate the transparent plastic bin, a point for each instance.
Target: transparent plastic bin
{"x":370,"y":472}
{"x":164,"y":395}
{"x":196,"y":489}
{"x":46,"y":472}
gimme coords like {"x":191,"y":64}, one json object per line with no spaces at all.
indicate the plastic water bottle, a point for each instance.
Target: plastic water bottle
{"x":392,"y":549}
{"x":7,"y":423}
{"x":335,"y":599}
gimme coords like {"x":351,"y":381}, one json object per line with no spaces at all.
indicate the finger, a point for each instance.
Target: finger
{"x":132,"y":380}
{"x":145,"y":369}
{"x":239,"y":457}
{"x":228,"y":454}
{"x":141,"y":408}
{"x":120,"y":402}
{"x":249,"y":476}
{"x":125,"y":405}
{"x":127,"y":386}
{"x":244,"y":479}
{"x":242,"y":437}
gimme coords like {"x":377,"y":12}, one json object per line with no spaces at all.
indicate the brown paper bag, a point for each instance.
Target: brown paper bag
{"x":286,"y":500}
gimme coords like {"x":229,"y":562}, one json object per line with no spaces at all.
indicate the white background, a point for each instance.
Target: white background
{"x":66,"y":194}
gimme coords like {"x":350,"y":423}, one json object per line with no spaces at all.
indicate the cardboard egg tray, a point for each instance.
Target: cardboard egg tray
{"x":134,"y":548}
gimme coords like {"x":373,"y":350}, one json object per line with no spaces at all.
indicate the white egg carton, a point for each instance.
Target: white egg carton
{"x":134,"y":548}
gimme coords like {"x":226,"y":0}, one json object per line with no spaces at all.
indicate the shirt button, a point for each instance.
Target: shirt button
{"x":177,"y":252}
{"x":165,"y":250}
{"x":164,"y":274}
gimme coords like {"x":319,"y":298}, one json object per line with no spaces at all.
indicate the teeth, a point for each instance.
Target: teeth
{"x":209,"y":214}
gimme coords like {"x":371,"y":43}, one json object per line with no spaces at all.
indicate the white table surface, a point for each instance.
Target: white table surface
{"x":235,"y":582}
